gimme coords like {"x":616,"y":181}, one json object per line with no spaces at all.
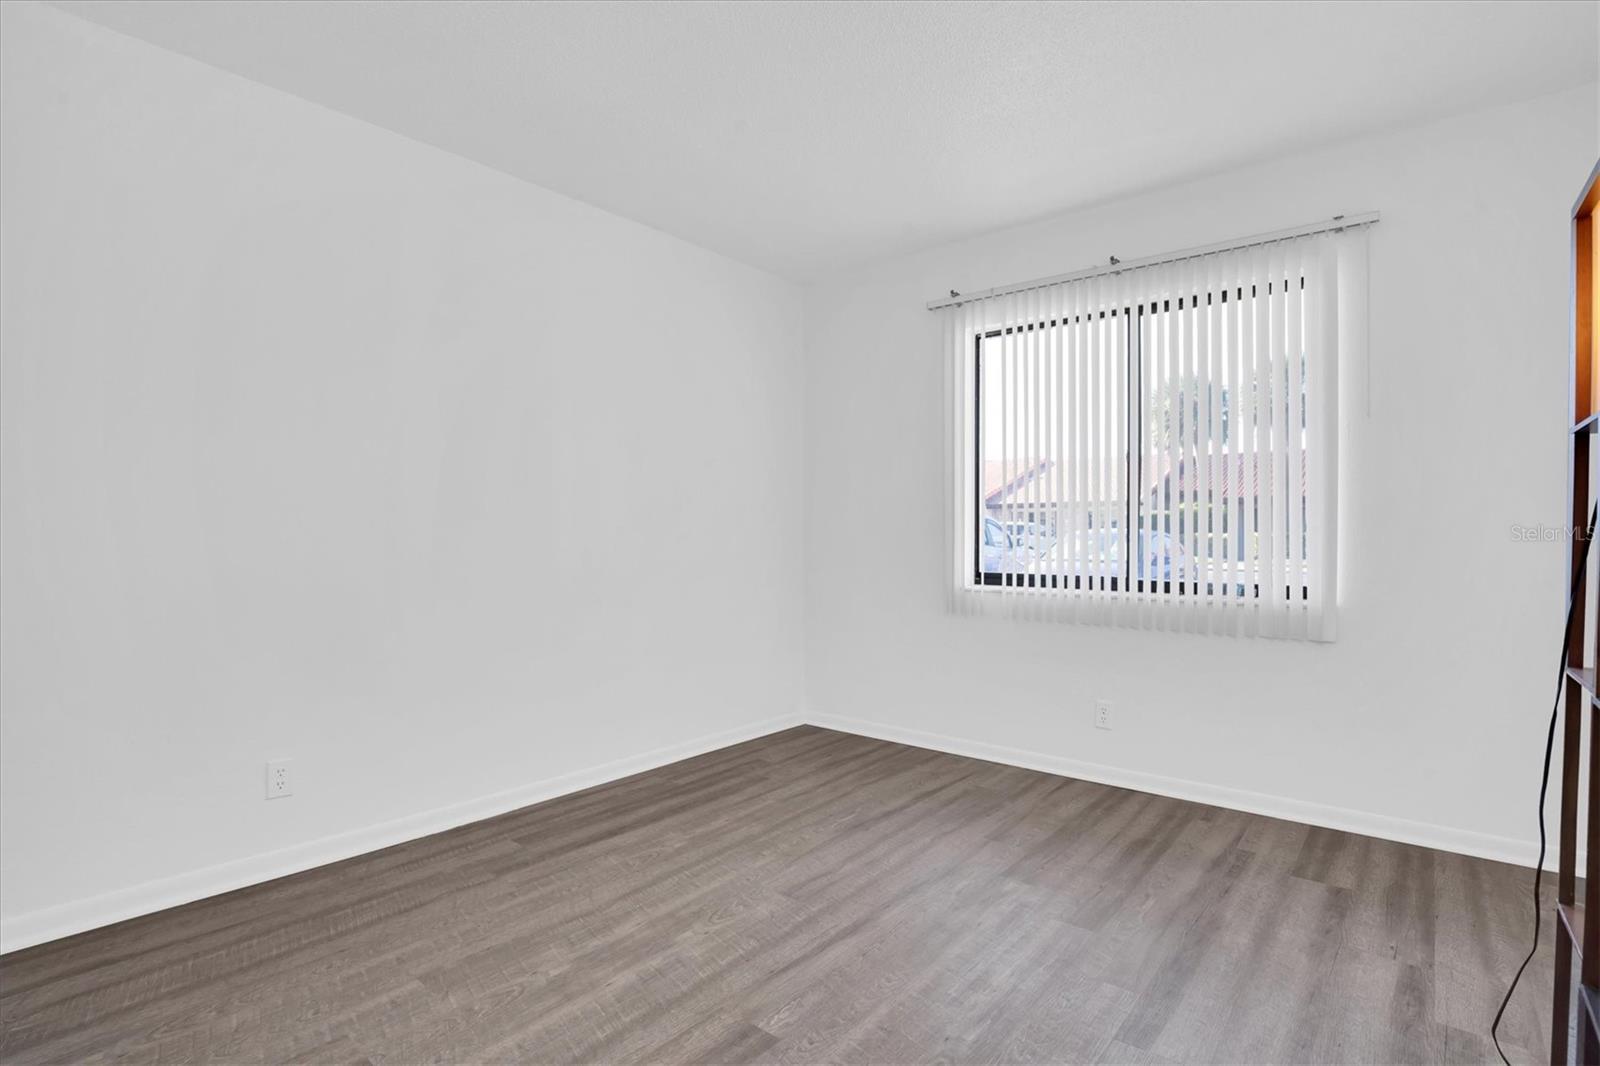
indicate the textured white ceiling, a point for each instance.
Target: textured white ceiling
{"x":805,"y":136}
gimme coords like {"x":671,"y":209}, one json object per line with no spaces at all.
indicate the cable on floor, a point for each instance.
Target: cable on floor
{"x":1544,"y":783}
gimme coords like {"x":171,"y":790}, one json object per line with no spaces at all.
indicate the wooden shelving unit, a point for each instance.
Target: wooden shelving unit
{"x":1576,"y":938}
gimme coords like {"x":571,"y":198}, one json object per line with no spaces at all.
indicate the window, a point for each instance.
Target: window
{"x":1185,"y":528}
{"x":1156,"y":441}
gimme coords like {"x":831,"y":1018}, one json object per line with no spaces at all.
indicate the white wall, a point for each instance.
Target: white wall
{"x":322,"y":444}
{"x":1426,"y":720}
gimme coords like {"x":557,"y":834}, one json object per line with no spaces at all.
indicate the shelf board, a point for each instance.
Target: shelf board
{"x":1572,"y":917}
{"x":1588,"y":425}
{"x":1585,"y":678}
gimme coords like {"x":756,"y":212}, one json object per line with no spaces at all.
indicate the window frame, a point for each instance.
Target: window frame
{"x":1133,"y":327}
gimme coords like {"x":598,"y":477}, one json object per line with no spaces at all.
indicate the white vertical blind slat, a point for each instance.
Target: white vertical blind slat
{"x":1024,"y":335}
{"x":1064,"y":414}
{"x":969,"y":516}
{"x":1239,"y":399}
{"x":1278,"y":464}
{"x":1183,"y":422}
{"x":1116,"y":448}
{"x":1215,"y":378}
{"x":1188,"y":434}
{"x":1041,"y":494}
{"x":1104,"y":440}
{"x":1126,"y":299}
{"x":1149,"y":462}
{"x":1174,"y":342}
{"x":1097,"y":445}
{"x":1031,"y":495}
{"x":1294,"y":483}
{"x":1205,"y":455}
{"x":952,"y":416}
{"x":1080,"y":447}
{"x":1260,"y":407}
{"x":1138,"y":542}
{"x":1092,"y":451}
{"x":1120,"y":293}
{"x":1058,"y":419}
{"x":1014,"y":347}
{"x":1071,"y":451}
{"x":1004,"y":344}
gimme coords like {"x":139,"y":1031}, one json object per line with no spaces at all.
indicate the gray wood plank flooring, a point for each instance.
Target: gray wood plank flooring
{"x":814,"y":896}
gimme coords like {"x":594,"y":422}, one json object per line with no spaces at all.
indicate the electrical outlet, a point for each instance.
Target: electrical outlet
{"x":1102,"y":714}
{"x":279,"y":781}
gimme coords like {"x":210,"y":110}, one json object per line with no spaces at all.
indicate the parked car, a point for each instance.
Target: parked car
{"x":999,"y":551}
{"x":1034,"y":538}
{"x":1161,"y":555}
{"x":1099,"y":552}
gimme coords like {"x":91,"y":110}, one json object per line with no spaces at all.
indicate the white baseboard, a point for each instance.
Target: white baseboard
{"x":1445,"y":838}
{"x":51,"y":923}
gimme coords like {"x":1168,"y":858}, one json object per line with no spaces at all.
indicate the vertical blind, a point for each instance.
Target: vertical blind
{"x":1156,"y":446}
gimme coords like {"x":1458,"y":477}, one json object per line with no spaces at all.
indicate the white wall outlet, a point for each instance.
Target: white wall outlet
{"x":280,"y":782}
{"x":1102,"y":714}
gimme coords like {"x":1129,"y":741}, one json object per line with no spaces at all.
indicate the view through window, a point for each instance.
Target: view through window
{"x":1153,"y":423}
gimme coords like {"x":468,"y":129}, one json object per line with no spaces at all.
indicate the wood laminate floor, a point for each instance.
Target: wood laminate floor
{"x":818,"y":897}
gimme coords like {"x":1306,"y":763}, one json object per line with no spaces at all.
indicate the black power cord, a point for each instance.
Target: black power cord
{"x":1544,"y":783}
